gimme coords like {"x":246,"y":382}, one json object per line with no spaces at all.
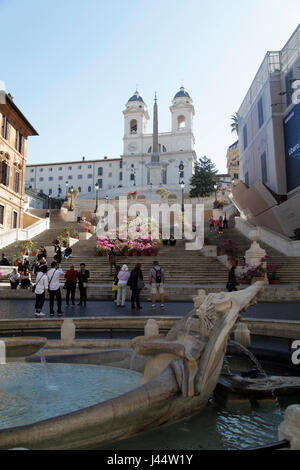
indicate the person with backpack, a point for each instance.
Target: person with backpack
{"x":157,"y":280}
{"x":136,"y":284}
{"x":40,"y":290}
{"x":54,"y":288}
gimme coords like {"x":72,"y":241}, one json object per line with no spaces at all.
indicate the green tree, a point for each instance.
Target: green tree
{"x":204,"y":179}
{"x":234,"y":124}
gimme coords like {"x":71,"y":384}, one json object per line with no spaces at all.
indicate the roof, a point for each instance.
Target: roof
{"x":182,"y":94}
{"x":10,"y":101}
{"x":77,"y":162}
{"x":136,"y":97}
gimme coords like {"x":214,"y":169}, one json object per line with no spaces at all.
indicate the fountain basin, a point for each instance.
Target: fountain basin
{"x":17,"y":348}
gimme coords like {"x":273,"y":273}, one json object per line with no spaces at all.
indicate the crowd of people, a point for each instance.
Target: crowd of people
{"x":221,"y":224}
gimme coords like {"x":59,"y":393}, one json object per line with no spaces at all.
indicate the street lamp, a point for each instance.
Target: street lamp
{"x":67,"y":185}
{"x":182,"y":184}
{"x":71,"y":205}
{"x":97,"y":192}
{"x":215,"y":188}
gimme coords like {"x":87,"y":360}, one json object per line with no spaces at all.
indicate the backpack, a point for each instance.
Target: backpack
{"x":158,"y":276}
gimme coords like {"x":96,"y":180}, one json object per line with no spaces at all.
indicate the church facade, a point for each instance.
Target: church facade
{"x":149,"y":160}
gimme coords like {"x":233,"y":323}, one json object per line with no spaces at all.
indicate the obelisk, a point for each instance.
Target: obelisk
{"x":155,"y":167}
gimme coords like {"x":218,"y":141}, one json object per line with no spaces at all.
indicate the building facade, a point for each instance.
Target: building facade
{"x":233,"y":161}
{"x":14,"y":133}
{"x":269,"y":142}
{"x":177,"y":157}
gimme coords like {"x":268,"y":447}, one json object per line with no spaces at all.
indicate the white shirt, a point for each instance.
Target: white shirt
{"x":41,"y":283}
{"x":53,"y":278}
{"x":14,"y":276}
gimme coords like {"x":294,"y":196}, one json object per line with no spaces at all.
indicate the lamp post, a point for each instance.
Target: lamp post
{"x":71,"y":205}
{"x":215,"y":188}
{"x":182,"y":184}
{"x":67,"y":185}
{"x":97,"y":193}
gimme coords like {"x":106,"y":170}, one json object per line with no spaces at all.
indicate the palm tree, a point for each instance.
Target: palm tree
{"x":235,"y":124}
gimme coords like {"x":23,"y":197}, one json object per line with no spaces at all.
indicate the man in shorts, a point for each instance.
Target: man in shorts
{"x":157,"y":280}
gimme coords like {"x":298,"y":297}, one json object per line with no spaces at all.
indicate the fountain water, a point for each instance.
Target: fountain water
{"x":251,"y":356}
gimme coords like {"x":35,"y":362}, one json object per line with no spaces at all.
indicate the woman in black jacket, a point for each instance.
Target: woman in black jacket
{"x":136,"y":284}
{"x":232,"y":282}
{"x":83,"y":276}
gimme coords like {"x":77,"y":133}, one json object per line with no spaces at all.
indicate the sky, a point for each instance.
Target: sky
{"x":72,"y":65}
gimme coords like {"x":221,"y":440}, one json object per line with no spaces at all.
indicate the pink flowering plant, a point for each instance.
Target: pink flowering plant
{"x":138,"y":241}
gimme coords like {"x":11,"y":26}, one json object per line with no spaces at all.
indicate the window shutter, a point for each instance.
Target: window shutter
{"x":7,"y":175}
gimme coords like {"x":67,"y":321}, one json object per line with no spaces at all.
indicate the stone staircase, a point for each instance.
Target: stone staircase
{"x":288,"y":267}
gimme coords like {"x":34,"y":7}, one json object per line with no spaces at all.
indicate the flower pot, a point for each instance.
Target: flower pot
{"x":34,"y":253}
{"x":244,"y":282}
{"x":126,"y":253}
{"x":258,"y":279}
{"x":274,"y":282}
{"x":16,"y":263}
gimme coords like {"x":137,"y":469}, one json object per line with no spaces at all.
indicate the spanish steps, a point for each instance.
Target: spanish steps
{"x":183,"y":268}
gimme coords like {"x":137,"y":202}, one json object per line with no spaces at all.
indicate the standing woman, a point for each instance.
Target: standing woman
{"x":58,"y":256}
{"x":123,"y":277}
{"x":70,"y":285}
{"x":41,"y":289}
{"x":136,"y":284}
{"x":220,"y":225}
{"x":83,"y":276}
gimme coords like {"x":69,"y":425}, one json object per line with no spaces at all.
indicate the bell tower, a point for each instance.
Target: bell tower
{"x":135,"y":124}
{"x":183,"y":112}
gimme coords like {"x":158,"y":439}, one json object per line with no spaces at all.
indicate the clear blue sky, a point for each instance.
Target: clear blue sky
{"x":72,"y":65}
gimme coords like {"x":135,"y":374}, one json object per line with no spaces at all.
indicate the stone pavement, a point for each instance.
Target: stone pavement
{"x":24,"y":309}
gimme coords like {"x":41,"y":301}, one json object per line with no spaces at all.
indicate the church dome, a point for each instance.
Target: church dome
{"x":182,"y":94}
{"x":136,"y":97}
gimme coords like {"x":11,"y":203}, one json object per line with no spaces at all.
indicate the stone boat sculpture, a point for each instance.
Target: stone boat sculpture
{"x":180,"y":375}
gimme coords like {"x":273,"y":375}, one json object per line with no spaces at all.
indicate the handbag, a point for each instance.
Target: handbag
{"x":66,"y":285}
{"x":34,"y":285}
{"x":85,"y":285}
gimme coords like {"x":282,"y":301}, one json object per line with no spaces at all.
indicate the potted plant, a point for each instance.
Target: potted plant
{"x":258,"y":273}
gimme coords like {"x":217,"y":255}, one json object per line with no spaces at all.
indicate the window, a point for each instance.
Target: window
{"x":79,"y":177}
{"x":100,"y":171}
{"x":133,"y":126}
{"x":245,"y":136}
{"x":51,"y":178}
{"x":5,"y":174}
{"x":70,"y":177}
{"x":32,"y":180}
{"x":121,"y":176}
{"x":288,"y":87}
{"x":89,"y":167}
{"x":41,"y":179}
{"x":100,"y":184}
{"x":19,"y":143}
{"x":89,"y":189}
{"x":15,"y":220}
{"x":1,"y":215}
{"x":109,"y":175}
{"x":60,"y":168}
{"x":236,"y":176}
{"x":121,"y":164}
{"x":6,"y":128}
{"x":79,"y":189}
{"x":79,"y":167}
{"x":132,"y":177}
{"x":164,"y":176}
{"x":50,"y":192}
{"x":161,"y":149}
{"x":60,"y":178}
{"x":260,"y":112}
{"x":31,"y":171}
{"x":50,"y":169}
{"x":41,"y":170}
{"x":264,"y":173}
{"x":90,"y":176}
{"x":181,"y":122}
{"x":247,"y":179}
{"x":17,"y":182}
{"x":181,"y":175}
{"x":69,"y":168}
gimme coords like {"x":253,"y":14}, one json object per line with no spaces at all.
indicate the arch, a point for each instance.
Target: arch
{"x":133,"y":126}
{"x":181,"y":122}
